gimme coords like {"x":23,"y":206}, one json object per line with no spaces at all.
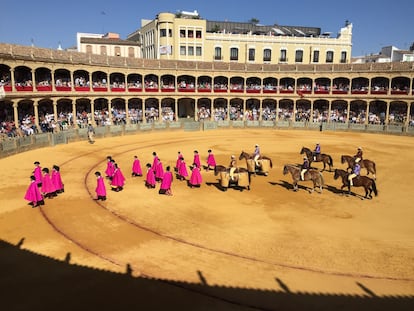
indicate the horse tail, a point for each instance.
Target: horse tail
{"x":373,"y":167}
{"x":322,"y":180}
{"x":330,"y":160}
{"x":374,"y":187}
{"x":271,"y":163}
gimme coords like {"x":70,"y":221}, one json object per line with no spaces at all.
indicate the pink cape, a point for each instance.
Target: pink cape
{"x":57,"y":180}
{"x":136,"y":167}
{"x":118,"y":179}
{"x":33,"y":193}
{"x":182,"y":169}
{"x":166,"y":181}
{"x":100,"y":187}
{"x":37,"y":173}
{"x":196,"y":178}
{"x":47,"y":184}
{"x":109,"y":168}
{"x":155,"y":163}
{"x":177,"y":164}
{"x":150,"y":178}
{"x":159,"y":170}
{"x":211,"y":161}
{"x":197,"y":160}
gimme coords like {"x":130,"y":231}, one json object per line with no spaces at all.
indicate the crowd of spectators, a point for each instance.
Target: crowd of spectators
{"x":65,"y":119}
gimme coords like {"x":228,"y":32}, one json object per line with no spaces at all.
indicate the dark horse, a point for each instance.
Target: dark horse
{"x":360,"y":181}
{"x":312,"y":174}
{"x":324,"y":158}
{"x":254,"y":169}
{"x":240,"y":170}
{"x":365,"y":163}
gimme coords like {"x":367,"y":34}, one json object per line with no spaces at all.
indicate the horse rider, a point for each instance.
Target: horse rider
{"x":316,"y":151}
{"x":233,"y":166}
{"x":256,"y":154}
{"x":356,"y":170}
{"x":358,"y":156}
{"x":305,"y":168}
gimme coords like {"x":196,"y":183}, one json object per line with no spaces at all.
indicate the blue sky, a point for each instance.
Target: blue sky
{"x":48,"y":23}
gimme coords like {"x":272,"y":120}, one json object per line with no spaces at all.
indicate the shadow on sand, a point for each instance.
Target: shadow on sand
{"x":29,"y":281}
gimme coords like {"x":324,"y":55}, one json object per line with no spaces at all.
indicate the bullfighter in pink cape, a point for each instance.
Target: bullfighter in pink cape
{"x":109,"y":166}
{"x":167,"y":179}
{"x":33,"y":194}
{"x":57,"y":179}
{"x":37,"y":173}
{"x":196,"y":178}
{"x":136,"y":167}
{"x":100,"y":187}
{"x":211,"y":161}
{"x":150,"y":181}
{"x":196,"y":159}
{"x":118,"y":179}
{"x":48,"y":188}
{"x":178,"y":162}
{"x":159,"y":171}
{"x":182,"y":170}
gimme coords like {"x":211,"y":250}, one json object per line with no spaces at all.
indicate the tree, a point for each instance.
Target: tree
{"x":254,"y":20}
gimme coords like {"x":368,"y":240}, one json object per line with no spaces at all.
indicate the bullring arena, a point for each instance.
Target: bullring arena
{"x":267,"y":248}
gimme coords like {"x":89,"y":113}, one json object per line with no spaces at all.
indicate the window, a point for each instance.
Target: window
{"x":191,"y":50}
{"x":343,"y":57}
{"x":198,"y":50}
{"x":251,"y":54}
{"x":182,"y":33}
{"x":89,"y":48}
{"x":103,"y":50}
{"x":198,"y":34}
{"x":315,"y":57}
{"x":217,"y":53}
{"x":267,"y":55}
{"x":131,"y":52}
{"x":299,"y":56}
{"x":191,"y":33}
{"x":234,"y":54}
{"x":283,"y":55}
{"x":117,"y":51}
{"x":329,"y":56}
{"x":183,"y":50}
{"x":163,"y":32}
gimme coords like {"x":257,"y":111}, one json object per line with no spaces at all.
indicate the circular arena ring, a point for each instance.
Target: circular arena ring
{"x":269,"y":248}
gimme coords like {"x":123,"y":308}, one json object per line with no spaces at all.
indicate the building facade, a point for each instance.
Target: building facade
{"x":188,"y":37}
{"x":44,"y":89}
{"x":107,"y":44}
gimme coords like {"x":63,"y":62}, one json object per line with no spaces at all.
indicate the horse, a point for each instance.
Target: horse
{"x":322,"y":157}
{"x":264,"y":162}
{"x":241,"y":177}
{"x":360,"y":181}
{"x":365,"y":163}
{"x":311,"y":174}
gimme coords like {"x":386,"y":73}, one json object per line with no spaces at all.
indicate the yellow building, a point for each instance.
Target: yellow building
{"x":185,"y":36}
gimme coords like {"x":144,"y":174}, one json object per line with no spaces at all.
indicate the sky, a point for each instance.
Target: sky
{"x":48,"y":23}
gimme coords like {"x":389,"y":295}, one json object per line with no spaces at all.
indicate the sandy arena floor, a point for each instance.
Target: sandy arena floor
{"x":268,"y":239}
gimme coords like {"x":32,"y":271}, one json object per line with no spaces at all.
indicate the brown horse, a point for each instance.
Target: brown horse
{"x":239,"y":174}
{"x":365,"y":163}
{"x":311,"y":174}
{"x":254,"y":168}
{"x":360,"y":181}
{"x":324,"y":158}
